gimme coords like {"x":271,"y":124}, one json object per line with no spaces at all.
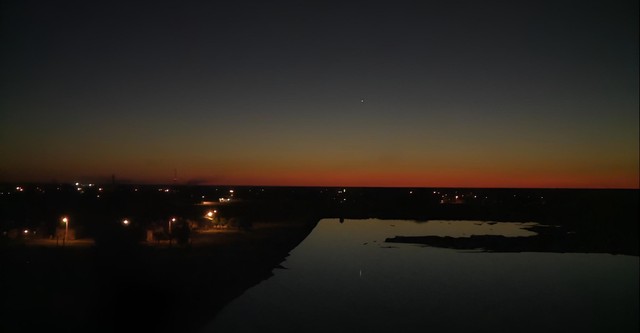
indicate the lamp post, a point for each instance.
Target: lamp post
{"x":210,"y":216}
{"x":173,"y":219}
{"x":65,"y":220}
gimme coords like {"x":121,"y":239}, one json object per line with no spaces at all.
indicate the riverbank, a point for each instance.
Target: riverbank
{"x":141,"y":288}
{"x":112,"y":280}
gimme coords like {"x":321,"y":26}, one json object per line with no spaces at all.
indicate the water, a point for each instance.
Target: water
{"x":345,"y":278}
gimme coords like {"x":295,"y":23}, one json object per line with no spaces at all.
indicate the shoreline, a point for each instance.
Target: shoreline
{"x":141,"y":288}
{"x":117,"y":284}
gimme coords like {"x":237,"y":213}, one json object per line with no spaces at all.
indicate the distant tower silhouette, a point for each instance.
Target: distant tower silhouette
{"x":175,"y":176}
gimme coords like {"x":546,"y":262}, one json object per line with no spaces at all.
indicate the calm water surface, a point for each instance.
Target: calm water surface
{"x":345,"y":278}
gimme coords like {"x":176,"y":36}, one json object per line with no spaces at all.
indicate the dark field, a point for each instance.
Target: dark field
{"x":112,"y":279}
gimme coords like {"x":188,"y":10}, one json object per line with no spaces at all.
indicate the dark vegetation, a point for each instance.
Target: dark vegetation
{"x":122,"y":283}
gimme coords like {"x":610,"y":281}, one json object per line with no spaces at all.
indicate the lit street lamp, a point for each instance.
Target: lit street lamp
{"x":65,"y":220}
{"x":173,"y":219}
{"x":210,"y":214}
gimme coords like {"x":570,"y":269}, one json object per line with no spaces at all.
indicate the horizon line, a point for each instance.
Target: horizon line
{"x":14,"y":183}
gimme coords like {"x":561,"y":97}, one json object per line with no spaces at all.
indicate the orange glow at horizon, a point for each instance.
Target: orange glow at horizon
{"x":455,"y":178}
{"x":292,"y":173}
{"x":460,"y":165}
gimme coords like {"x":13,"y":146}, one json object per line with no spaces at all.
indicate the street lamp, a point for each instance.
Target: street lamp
{"x":125,"y":222}
{"x":65,"y":220}
{"x":173,"y":219}
{"x":210,"y":214}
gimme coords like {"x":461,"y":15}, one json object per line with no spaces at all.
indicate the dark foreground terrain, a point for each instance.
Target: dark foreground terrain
{"x":141,"y":288}
{"x":112,"y":280}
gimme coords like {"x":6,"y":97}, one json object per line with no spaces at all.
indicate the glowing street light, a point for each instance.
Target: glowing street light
{"x":65,"y":220}
{"x":125,"y":222}
{"x":173,"y":219}
{"x":210,"y":214}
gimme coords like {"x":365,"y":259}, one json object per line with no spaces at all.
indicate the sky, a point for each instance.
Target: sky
{"x":540,"y":94}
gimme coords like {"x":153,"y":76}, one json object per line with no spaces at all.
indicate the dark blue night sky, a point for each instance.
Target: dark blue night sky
{"x":390,"y":93}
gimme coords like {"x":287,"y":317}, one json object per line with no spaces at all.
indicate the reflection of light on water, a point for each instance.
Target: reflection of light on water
{"x":424,"y":289}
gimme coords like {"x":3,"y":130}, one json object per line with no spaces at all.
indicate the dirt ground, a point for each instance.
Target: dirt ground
{"x":149,"y":287}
